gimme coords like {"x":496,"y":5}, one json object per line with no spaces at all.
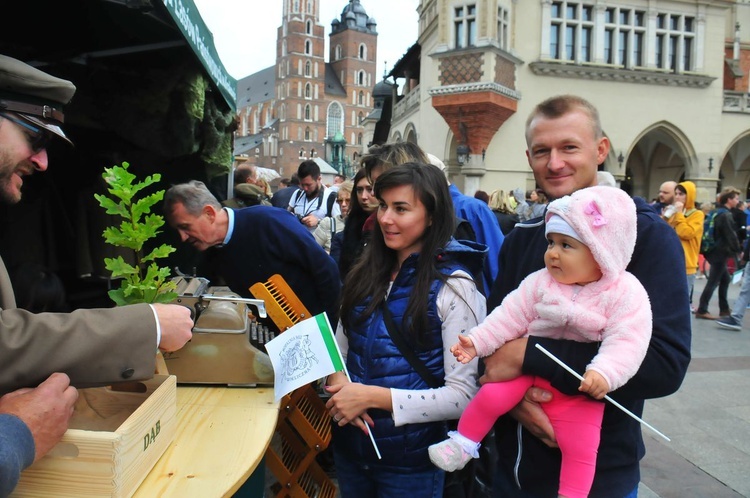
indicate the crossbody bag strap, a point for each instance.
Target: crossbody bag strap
{"x":406,"y":351}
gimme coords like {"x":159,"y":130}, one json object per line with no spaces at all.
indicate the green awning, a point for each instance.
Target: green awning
{"x":201,"y":40}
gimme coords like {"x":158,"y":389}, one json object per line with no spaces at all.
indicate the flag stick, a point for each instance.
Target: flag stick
{"x":618,"y":405}
{"x":346,"y":372}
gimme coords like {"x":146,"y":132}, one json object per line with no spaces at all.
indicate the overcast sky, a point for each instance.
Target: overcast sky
{"x":245,"y":30}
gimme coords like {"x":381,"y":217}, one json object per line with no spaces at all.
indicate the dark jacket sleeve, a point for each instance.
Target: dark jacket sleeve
{"x":725,"y":232}
{"x":657,"y":258}
{"x":336,"y":242}
{"x":16,"y":451}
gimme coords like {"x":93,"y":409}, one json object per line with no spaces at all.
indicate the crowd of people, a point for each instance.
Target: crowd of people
{"x":420,"y":279}
{"x":715,"y":245}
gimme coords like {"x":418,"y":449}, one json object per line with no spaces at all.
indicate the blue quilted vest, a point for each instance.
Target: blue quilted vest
{"x":374,"y":359}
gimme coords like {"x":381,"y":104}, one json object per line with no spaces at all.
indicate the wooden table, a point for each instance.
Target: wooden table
{"x":222,"y":435}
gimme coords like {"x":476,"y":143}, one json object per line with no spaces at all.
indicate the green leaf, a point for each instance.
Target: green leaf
{"x":162,"y":251}
{"x":128,"y":200}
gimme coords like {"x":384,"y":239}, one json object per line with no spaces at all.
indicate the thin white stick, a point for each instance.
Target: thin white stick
{"x":579,"y":377}
{"x":346,"y":372}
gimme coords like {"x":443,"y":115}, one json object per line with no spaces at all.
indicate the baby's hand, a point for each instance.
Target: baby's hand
{"x":464,"y":351}
{"x":594,"y":384}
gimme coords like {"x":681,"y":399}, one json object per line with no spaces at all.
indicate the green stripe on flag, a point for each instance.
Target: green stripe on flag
{"x":330,"y":340}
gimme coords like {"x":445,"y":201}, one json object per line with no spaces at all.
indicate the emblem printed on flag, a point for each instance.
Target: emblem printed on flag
{"x":302,"y":354}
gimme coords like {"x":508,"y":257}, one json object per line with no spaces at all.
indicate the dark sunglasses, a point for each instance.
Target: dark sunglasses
{"x":38,"y":139}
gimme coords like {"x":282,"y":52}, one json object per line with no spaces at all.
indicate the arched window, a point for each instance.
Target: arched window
{"x":283,"y":48}
{"x":309,"y":7}
{"x":307,"y":133}
{"x":307,"y":68}
{"x":361,"y":98}
{"x":308,"y":25}
{"x":360,"y":117}
{"x":308,"y":91}
{"x":359,"y":139}
{"x":361,"y":78}
{"x":363,"y":51}
{"x":307,"y":112}
{"x":308,"y":47}
{"x":337,"y":52}
{"x":296,"y":6}
{"x":335,"y":119}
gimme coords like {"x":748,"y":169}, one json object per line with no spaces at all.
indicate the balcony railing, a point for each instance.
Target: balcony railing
{"x":736,"y":102}
{"x":407,"y":104}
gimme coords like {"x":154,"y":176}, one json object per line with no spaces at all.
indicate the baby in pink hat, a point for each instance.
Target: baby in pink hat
{"x":584,"y":294}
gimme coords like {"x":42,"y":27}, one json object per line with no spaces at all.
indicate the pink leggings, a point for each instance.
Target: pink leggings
{"x":577,"y":421}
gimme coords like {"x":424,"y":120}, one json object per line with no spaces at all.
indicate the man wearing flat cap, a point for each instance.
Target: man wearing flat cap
{"x":42,"y":356}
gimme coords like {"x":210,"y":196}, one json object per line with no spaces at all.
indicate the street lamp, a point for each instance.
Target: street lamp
{"x":710,"y":164}
{"x":620,"y":159}
{"x":462,"y":154}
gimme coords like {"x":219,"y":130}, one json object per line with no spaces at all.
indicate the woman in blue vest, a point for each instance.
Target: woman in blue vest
{"x":420,"y":276}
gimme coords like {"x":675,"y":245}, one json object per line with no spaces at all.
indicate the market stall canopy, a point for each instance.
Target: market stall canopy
{"x":103,"y":33}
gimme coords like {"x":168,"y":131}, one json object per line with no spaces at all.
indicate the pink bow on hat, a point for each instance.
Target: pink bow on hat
{"x":593,"y":210}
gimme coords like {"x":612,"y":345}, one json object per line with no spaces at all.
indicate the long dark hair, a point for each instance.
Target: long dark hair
{"x":370,"y":277}
{"x":352,"y":245}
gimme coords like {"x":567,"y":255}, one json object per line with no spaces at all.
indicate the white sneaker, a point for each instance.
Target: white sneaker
{"x":449,"y":455}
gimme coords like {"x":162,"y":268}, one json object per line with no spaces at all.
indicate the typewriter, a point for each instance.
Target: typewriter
{"x":228,"y":340}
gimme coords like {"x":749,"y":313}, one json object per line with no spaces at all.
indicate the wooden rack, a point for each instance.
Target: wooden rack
{"x":304,"y":426}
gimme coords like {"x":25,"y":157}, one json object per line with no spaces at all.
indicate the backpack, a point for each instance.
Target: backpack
{"x":330,"y":201}
{"x":708,"y":242}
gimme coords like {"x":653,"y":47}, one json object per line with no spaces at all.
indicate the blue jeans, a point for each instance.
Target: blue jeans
{"x":361,"y":481}
{"x":740,"y":305}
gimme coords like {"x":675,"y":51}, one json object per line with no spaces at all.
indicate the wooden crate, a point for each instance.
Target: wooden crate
{"x":115,"y":437}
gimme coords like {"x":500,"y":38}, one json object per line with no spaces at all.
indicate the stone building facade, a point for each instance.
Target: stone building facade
{"x":670,"y":78}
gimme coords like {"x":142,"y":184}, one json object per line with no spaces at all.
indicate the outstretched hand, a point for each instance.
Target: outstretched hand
{"x":464,"y":351}
{"x":46,"y":410}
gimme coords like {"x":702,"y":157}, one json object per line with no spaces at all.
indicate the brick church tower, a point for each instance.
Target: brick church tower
{"x":316,"y":107}
{"x":353,"y":56}
{"x":300,"y":83}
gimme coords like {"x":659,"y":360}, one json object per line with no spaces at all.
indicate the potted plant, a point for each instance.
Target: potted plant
{"x":145,"y":281}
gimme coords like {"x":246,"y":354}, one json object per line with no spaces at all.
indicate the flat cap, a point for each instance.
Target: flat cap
{"x":35,"y":95}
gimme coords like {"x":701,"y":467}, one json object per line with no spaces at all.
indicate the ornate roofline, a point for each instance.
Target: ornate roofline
{"x":601,"y":73}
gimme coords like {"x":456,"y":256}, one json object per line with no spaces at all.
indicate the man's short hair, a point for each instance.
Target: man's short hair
{"x":243,"y":172}
{"x":294,"y":180}
{"x":194,"y":195}
{"x":727,"y":193}
{"x":560,"y":105}
{"x":308,"y":168}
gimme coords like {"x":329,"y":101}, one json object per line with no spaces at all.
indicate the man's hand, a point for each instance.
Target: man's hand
{"x":529,"y":412}
{"x":505,"y":363}
{"x":310,"y":220}
{"x":176,"y":326}
{"x":46,"y":410}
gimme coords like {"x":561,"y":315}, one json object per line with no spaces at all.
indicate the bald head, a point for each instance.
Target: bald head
{"x":666,"y":192}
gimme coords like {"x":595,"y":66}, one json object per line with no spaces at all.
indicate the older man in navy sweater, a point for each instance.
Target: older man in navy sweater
{"x":254,"y":243}
{"x":565,"y":144}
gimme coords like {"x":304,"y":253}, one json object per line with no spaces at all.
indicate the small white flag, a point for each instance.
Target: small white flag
{"x":302,"y":354}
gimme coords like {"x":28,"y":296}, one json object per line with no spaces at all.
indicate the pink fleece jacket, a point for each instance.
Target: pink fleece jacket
{"x":614,"y":310}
